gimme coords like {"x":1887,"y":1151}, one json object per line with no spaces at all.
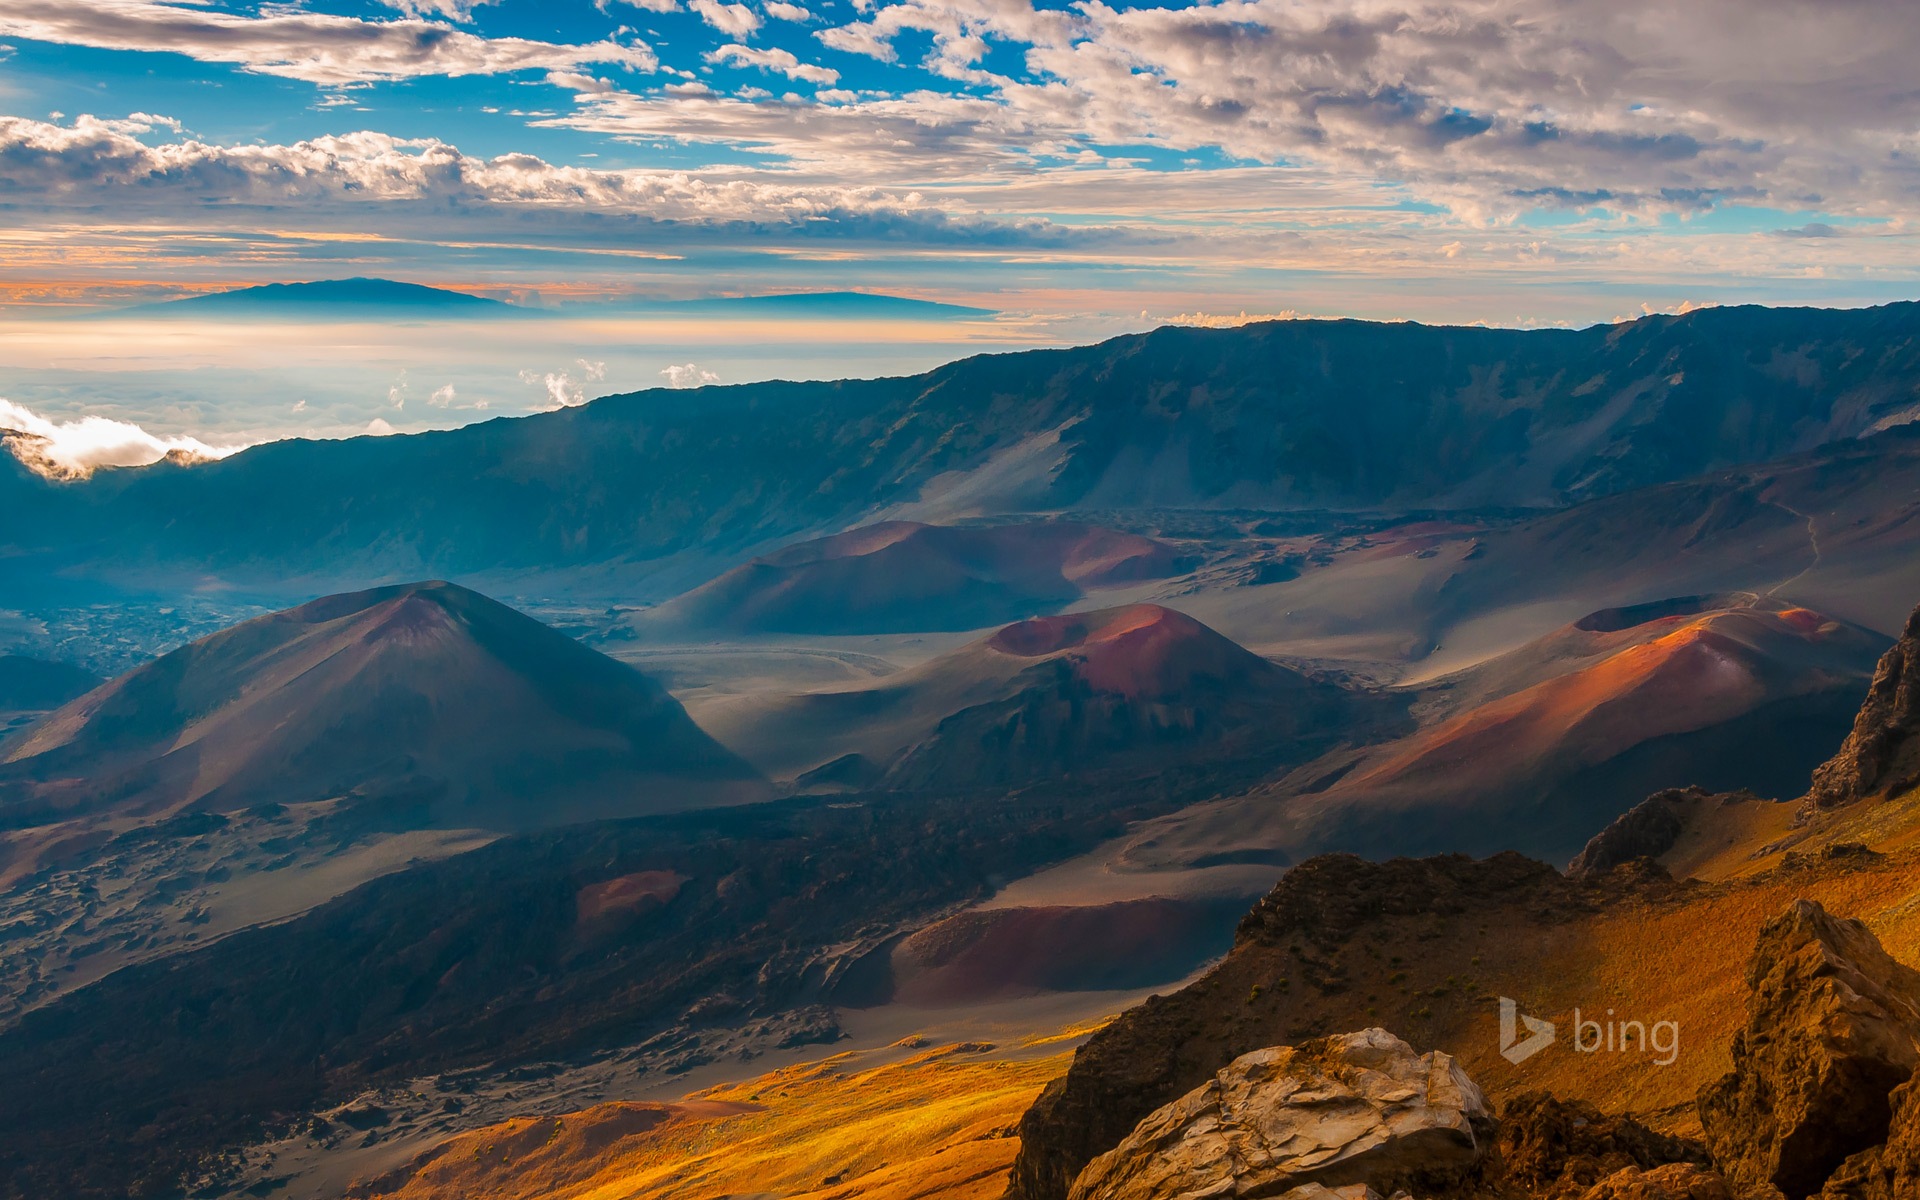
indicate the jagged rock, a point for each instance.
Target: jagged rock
{"x":1558,"y":1149}
{"x":1882,"y":754}
{"x":1890,"y":1171}
{"x":1676,"y":1181}
{"x":1833,"y":1026}
{"x":1647,"y":830}
{"x":1355,"y":1109}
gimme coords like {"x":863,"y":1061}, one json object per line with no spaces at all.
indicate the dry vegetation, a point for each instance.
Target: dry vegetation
{"x":938,"y":1124}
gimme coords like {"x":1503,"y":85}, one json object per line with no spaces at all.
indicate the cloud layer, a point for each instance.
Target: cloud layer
{"x":67,"y":450}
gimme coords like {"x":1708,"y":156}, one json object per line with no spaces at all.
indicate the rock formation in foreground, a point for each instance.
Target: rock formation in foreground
{"x":1882,"y":754}
{"x":1833,"y":1027}
{"x":1359,"y":1110}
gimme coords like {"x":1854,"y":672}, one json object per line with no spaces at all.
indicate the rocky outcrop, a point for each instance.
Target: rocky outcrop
{"x":1359,"y":1109}
{"x":1833,"y":1026}
{"x":1300,"y":969}
{"x":1564,"y":1149}
{"x":1890,"y":1171}
{"x":1647,"y":830}
{"x":1882,"y":754}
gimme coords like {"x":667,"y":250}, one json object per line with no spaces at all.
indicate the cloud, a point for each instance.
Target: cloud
{"x":687,"y":375}
{"x":778,"y":60}
{"x":454,"y":10}
{"x":315,"y":47}
{"x":1492,"y":107}
{"x":736,"y":20}
{"x":442,"y":396}
{"x":427,"y":189}
{"x":1813,"y":229}
{"x":68,"y":450}
{"x":565,"y":389}
{"x":779,"y":10}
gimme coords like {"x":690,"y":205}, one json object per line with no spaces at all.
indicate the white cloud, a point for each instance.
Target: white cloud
{"x":687,"y":375}
{"x":735,"y":20}
{"x":443,"y":396}
{"x":775,"y":60}
{"x":565,"y":389}
{"x":76,"y":449}
{"x":63,"y":173}
{"x":780,"y":10}
{"x":315,"y":47}
{"x":456,"y":10}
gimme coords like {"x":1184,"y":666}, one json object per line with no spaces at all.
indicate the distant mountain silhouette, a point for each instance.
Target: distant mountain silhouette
{"x":333,"y":296}
{"x":426,"y":698}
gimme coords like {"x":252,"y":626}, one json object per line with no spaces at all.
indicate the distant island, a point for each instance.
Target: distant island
{"x":335,"y":296}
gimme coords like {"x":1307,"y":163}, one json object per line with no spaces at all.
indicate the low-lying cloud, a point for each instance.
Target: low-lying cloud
{"x":71,"y":450}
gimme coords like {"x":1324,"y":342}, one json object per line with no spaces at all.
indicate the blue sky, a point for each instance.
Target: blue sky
{"x":1514,"y":161}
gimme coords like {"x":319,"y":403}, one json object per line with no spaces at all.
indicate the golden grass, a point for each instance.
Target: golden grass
{"x":937,"y":1125}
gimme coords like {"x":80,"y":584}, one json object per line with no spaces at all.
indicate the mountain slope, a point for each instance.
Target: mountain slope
{"x":903,"y":575}
{"x":427,"y":698}
{"x":1135,"y":687}
{"x":1287,"y":415}
{"x":1536,"y":748}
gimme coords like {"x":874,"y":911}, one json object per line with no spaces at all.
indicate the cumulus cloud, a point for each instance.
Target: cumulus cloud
{"x":565,"y":389}
{"x":735,"y":20}
{"x":68,"y":450}
{"x":779,"y":10}
{"x":454,"y":10}
{"x":778,"y":60}
{"x":1491,"y":106}
{"x":315,"y":47}
{"x":686,"y":375}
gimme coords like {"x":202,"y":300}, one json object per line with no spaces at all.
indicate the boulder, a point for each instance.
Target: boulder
{"x":1833,"y":1026}
{"x":1358,"y":1109}
{"x":1882,"y":754}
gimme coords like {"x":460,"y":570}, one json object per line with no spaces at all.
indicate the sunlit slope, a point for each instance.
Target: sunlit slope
{"x":1539,"y":748}
{"x":938,"y":1124}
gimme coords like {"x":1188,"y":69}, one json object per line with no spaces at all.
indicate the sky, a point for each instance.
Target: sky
{"x":1079,"y":168}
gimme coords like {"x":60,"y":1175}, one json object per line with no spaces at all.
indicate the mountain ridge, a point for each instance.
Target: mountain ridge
{"x":1285,"y":416}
